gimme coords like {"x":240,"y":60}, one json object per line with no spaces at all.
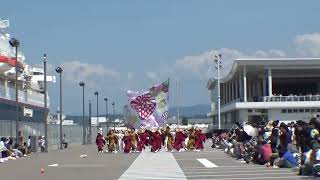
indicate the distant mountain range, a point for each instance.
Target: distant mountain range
{"x":195,"y":111}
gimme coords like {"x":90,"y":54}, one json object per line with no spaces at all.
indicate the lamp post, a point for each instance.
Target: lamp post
{"x":114,"y":115}
{"x":97,"y":94}
{"x":217,"y":59}
{"x":16,"y":43}
{"x":90,"y":130}
{"x":84,"y":129}
{"x":178,"y":110}
{"x":107,"y":123}
{"x":45,"y":103}
{"x":59,"y":71}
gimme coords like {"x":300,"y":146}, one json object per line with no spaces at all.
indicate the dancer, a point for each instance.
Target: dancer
{"x":156,"y":142}
{"x":169,"y":139}
{"x":200,"y":138}
{"x":100,"y":141}
{"x":113,"y":140}
{"x":127,"y":142}
{"x":142,"y":136}
{"x":134,"y":140}
{"x":180,"y":136}
{"x":191,"y":141}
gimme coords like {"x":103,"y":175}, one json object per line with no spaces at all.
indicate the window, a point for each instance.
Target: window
{"x":301,"y":110}
{"x":289,"y":110}
{"x":249,"y":110}
{"x":307,"y":110}
{"x":283,"y":111}
{"x":295,"y":110}
{"x":313,"y":110}
{"x":318,"y":110}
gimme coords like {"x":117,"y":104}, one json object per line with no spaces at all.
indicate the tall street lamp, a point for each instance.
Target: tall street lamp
{"x":45,"y":103}
{"x":16,"y":43}
{"x":107,"y":123}
{"x":59,"y":71}
{"x":97,"y":94}
{"x":217,"y":59}
{"x":90,"y":130}
{"x":114,"y":115}
{"x":84,"y":129}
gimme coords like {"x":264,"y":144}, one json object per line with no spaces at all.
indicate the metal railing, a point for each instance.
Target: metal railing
{"x":73,"y":132}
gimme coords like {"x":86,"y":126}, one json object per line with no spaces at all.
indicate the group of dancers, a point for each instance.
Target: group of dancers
{"x":132,"y":140}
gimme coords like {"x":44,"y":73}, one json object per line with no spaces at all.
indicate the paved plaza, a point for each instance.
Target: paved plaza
{"x":67,"y":164}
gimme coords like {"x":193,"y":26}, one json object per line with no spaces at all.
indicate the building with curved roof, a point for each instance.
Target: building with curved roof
{"x":286,"y":89}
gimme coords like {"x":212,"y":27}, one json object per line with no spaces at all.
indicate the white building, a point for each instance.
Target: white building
{"x":285,"y":89}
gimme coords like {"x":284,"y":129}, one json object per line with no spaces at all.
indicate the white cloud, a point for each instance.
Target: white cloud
{"x":130,"y":76}
{"x":153,"y":76}
{"x":308,"y":44}
{"x":92,"y":74}
{"x":203,"y":65}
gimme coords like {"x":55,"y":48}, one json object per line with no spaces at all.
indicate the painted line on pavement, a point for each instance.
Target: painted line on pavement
{"x":140,"y":168}
{"x":284,"y":177}
{"x":53,"y":165}
{"x":206,"y":163}
{"x":237,"y":175}
{"x":76,"y":165}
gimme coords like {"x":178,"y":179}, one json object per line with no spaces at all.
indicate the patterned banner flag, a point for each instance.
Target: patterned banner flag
{"x":151,"y":106}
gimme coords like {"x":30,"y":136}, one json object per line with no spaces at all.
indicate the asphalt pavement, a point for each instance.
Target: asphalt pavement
{"x":205,"y":165}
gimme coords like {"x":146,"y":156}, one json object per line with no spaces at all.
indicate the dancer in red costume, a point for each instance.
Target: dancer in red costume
{"x":200,"y":139}
{"x":142,"y":135}
{"x":180,"y":137}
{"x":156,"y":140}
{"x":100,"y":141}
{"x":127,"y":142}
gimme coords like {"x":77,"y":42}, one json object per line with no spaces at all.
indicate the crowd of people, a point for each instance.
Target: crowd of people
{"x":11,"y":150}
{"x":155,"y":139}
{"x":277,"y":145}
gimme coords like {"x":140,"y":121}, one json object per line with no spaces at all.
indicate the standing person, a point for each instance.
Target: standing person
{"x":64,"y":141}
{"x":200,"y":138}
{"x":120,"y":136}
{"x":142,"y":138}
{"x":134,"y":139}
{"x":191,"y":141}
{"x":170,"y":139}
{"x":100,"y":141}
{"x":178,"y":142}
{"x":127,"y":142}
{"x":113,"y":140}
{"x":156,"y":143}
{"x":41,"y":143}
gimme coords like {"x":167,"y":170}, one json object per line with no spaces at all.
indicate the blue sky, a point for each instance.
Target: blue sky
{"x":115,"y":45}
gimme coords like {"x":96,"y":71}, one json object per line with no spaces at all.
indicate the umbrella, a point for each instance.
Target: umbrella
{"x":251,"y":131}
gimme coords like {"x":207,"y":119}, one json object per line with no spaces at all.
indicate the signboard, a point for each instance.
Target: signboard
{"x":4,"y":24}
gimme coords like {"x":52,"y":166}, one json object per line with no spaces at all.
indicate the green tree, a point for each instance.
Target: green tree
{"x":184,"y":121}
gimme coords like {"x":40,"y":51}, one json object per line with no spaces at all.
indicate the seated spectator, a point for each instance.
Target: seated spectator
{"x":265,"y":153}
{"x":287,"y":160}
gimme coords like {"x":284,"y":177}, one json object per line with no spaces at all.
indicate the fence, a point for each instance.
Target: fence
{"x":73,"y":132}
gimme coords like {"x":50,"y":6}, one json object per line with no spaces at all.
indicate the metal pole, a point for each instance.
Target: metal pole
{"x":45,"y":103}
{"x":219,"y":113}
{"x":98,"y":109}
{"x":90,"y":130}
{"x":60,"y":110}
{"x":107,"y":123}
{"x":17,"y":96}
{"x":84,"y":132}
{"x":178,"y":120}
{"x":114,"y":116}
